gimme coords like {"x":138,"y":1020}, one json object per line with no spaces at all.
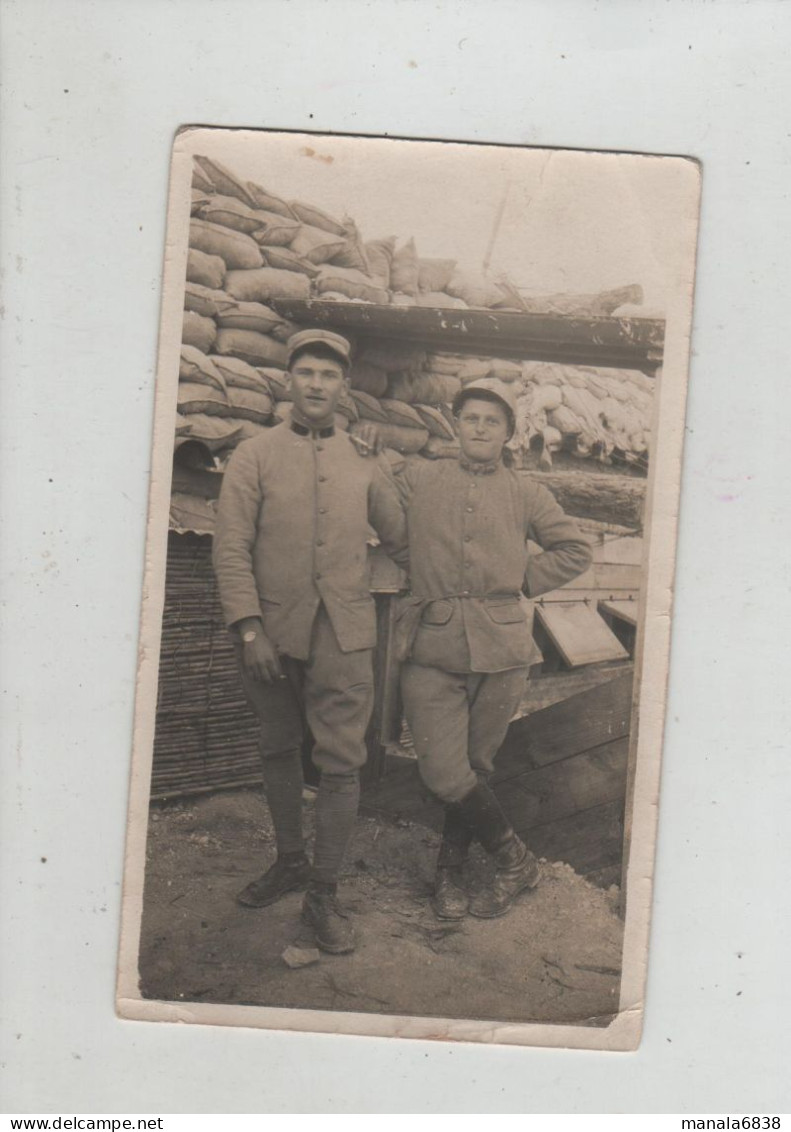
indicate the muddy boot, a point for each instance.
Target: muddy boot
{"x":290,"y":873}
{"x":516,"y":870}
{"x":516,"y":867}
{"x":450,"y":900}
{"x":330,"y":924}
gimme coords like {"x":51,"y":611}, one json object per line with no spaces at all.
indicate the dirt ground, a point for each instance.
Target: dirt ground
{"x":555,"y":957}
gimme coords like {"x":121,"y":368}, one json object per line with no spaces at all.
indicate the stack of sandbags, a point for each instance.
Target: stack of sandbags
{"x":600,"y":413}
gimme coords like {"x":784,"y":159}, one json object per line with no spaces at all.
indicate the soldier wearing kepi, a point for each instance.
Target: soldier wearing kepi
{"x":291,"y":563}
{"x":465,"y":636}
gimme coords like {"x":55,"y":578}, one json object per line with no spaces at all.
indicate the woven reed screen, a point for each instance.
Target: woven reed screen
{"x":206,"y":736}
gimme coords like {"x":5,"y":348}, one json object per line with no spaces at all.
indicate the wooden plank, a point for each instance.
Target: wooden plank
{"x":579,"y":633}
{"x":622,"y":610}
{"x":605,"y":576}
{"x":544,"y":690}
{"x":588,"y":841}
{"x":580,"y":723}
{"x":538,"y":797}
{"x":598,"y":341}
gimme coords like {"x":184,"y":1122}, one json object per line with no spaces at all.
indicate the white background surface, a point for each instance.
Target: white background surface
{"x":93,"y":93}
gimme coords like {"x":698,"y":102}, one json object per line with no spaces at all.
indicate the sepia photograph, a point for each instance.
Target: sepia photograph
{"x":409,"y":573}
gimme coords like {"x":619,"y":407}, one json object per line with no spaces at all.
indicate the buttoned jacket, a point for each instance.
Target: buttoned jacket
{"x":469,"y":562}
{"x":294,"y":517}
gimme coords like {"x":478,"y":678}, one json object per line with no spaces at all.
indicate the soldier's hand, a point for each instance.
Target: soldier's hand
{"x":365,"y":438}
{"x":261,"y":659}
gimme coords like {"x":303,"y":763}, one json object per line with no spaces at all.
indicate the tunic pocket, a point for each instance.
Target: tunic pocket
{"x":437,"y":613}
{"x":505,"y":613}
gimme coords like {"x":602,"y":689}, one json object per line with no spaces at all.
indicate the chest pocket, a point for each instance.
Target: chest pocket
{"x":437,"y":613}
{"x":506,"y":612}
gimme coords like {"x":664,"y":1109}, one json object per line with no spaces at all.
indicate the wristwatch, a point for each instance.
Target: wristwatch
{"x":249,"y":636}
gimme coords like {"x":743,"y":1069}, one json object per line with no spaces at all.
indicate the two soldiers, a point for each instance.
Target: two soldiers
{"x":290,"y":559}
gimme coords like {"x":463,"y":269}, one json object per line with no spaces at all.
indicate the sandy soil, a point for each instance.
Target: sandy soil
{"x":555,"y":957}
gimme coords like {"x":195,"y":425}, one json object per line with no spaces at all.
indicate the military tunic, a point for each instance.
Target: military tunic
{"x":295,"y":514}
{"x":468,"y":528}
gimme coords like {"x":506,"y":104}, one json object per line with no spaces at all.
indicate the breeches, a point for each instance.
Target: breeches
{"x":458,"y":721}
{"x":332,"y":693}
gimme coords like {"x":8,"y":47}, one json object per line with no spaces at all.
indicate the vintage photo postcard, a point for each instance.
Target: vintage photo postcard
{"x":410,"y":560}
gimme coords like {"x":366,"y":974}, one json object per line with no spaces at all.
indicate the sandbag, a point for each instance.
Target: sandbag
{"x":347,"y":406}
{"x":423,"y":388}
{"x":195,"y":366}
{"x":230,"y":213}
{"x":234,"y":248}
{"x":277,"y":381}
{"x":214,"y":432}
{"x":368,"y":407}
{"x":316,"y":244}
{"x":223,"y":180}
{"x":449,"y":364}
{"x":267,"y":201}
{"x":400,"y":413}
{"x":404,"y":269}
{"x":249,"y":316}
{"x":440,"y":300}
{"x":368,"y":378}
{"x":196,"y":330}
{"x":379,"y":254}
{"x":393,"y":355}
{"x":316,"y":218}
{"x":265,"y":283}
{"x":239,"y":374}
{"x":353,"y":284}
{"x":275,"y":230}
{"x":435,"y":421}
{"x":407,"y":441}
{"x":286,"y":260}
{"x":506,"y":371}
{"x":545,"y":398}
{"x":252,"y":347}
{"x":435,"y":274}
{"x":183,"y":425}
{"x":201,"y":181}
{"x":352,"y":254}
{"x":199,"y":200}
{"x":247,"y":405}
{"x":197,"y":398}
{"x":437,"y":448}
{"x":206,"y":270}
{"x":476,"y":290}
{"x":207,"y":301}
{"x":284,"y":330}
{"x":565,"y":420}
{"x":474,"y":369}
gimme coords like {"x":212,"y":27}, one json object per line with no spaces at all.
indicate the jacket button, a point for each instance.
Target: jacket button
{"x":319,"y":542}
{"x":468,"y":538}
{"x":322,"y":510}
{"x":470,"y":508}
{"x":322,"y":479}
{"x":319,"y":447}
{"x":318,"y":576}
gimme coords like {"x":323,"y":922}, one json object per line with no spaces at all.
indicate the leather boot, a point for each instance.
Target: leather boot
{"x":517,"y":869}
{"x":289,"y":874}
{"x":331,"y":925}
{"x":449,"y":900}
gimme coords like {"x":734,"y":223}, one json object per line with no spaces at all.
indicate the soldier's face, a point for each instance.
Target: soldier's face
{"x":483,"y":430}
{"x":316,"y":386}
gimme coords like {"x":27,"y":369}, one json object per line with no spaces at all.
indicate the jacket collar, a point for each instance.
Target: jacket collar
{"x":476,"y":468}
{"x":302,"y":430}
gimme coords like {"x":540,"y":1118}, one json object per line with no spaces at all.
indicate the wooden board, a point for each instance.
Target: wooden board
{"x":605,"y":576}
{"x":579,"y":633}
{"x":564,"y":788}
{"x":589,"y":841}
{"x":580,"y":723}
{"x":622,"y":610}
